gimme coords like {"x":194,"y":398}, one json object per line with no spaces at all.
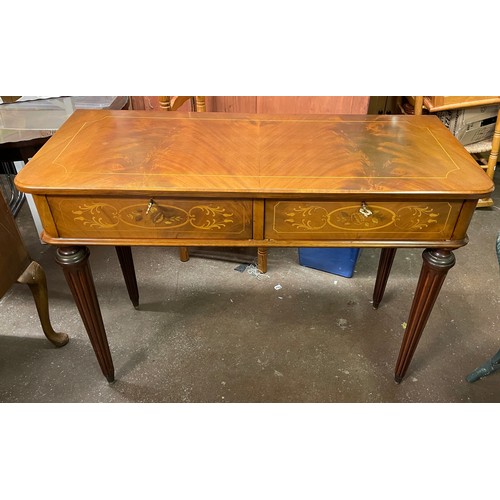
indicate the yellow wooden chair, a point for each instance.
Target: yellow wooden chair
{"x":174,"y":103}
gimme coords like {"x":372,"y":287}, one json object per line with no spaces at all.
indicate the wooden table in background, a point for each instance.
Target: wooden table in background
{"x":127,"y":178}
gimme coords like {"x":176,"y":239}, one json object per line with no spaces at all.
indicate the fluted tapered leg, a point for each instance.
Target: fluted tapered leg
{"x":384,"y":269}
{"x":128,"y":270}
{"x":435,"y":267}
{"x":74,"y":262}
{"x":34,"y":277}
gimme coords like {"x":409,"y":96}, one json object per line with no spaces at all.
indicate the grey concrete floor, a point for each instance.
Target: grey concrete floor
{"x":205,"y":332}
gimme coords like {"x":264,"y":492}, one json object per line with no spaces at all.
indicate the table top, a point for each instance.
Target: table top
{"x":137,"y":152}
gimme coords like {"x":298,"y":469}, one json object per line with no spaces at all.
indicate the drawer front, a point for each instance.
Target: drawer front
{"x":301,"y":220}
{"x":141,"y":217}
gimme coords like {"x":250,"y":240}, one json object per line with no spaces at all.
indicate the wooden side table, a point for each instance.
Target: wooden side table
{"x":128,"y":178}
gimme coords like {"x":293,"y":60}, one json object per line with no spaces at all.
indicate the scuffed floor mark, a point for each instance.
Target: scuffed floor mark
{"x":342,"y":323}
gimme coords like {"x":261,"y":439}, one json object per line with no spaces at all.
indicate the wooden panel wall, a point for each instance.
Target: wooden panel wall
{"x":272,"y":104}
{"x":232,"y":104}
{"x":313,"y":104}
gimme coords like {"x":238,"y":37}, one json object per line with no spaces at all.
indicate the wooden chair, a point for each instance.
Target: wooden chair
{"x":174,"y":103}
{"x":169,"y":103}
{"x":17,"y":266}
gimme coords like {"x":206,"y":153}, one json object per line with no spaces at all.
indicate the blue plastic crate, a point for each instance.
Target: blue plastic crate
{"x":341,"y":261}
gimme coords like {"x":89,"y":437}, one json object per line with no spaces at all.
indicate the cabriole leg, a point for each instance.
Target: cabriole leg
{"x":34,"y":277}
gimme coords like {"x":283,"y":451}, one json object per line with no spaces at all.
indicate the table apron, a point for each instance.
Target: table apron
{"x":169,"y":221}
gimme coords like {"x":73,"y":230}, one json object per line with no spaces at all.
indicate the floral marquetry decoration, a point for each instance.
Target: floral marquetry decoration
{"x":331,"y":217}
{"x":201,"y":217}
{"x":97,"y":215}
{"x":415,"y":217}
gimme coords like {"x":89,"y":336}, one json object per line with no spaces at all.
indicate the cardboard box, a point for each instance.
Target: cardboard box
{"x":9,"y":98}
{"x":470,"y":125}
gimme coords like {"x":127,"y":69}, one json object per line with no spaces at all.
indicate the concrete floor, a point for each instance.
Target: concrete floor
{"x":205,"y":332}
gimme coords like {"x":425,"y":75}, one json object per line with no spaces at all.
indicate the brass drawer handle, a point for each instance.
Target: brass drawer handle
{"x":364,"y":210}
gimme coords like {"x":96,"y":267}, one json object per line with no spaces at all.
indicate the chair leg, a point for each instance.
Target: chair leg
{"x":495,"y":149}
{"x":262,"y":259}
{"x":492,"y":365}
{"x":34,"y":277}
{"x":184,"y":254}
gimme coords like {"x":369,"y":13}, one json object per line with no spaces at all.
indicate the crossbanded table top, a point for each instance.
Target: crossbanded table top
{"x":134,"y":152}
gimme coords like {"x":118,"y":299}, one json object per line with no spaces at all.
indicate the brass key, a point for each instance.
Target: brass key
{"x":150,"y":205}
{"x":364,"y":210}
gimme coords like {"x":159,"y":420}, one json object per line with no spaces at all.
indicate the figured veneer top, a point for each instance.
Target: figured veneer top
{"x":135,"y":152}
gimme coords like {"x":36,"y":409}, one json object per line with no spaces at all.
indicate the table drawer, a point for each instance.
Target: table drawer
{"x":159,"y":217}
{"x":353,"y":220}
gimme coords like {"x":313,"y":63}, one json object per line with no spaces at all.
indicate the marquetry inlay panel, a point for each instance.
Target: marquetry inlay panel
{"x":360,"y":220}
{"x":152,"y":217}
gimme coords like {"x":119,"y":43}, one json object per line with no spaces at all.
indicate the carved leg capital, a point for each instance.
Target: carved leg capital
{"x":72,"y":256}
{"x":439,"y":260}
